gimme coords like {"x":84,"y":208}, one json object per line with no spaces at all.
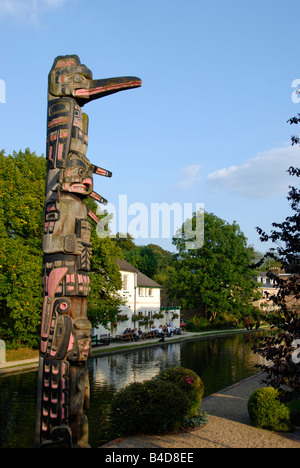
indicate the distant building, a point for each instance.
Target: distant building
{"x":268,"y":289}
{"x":142,"y":304}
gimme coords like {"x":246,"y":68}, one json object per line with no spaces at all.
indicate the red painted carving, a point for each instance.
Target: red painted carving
{"x":63,"y":390}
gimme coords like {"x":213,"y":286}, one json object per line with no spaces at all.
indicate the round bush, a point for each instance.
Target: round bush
{"x":267,"y":412}
{"x":150,"y":407}
{"x":189,"y":382}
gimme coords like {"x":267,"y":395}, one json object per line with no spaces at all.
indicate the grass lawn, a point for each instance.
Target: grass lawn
{"x":21,"y":353}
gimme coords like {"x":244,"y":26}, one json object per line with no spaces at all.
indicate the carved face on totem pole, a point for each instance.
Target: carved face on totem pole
{"x":65,"y":329}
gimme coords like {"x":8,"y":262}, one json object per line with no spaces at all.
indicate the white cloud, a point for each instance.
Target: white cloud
{"x":188,"y":176}
{"x":27,"y":10}
{"x":263,"y":176}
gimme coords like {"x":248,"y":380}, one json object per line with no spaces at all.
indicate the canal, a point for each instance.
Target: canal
{"x":219,"y":362}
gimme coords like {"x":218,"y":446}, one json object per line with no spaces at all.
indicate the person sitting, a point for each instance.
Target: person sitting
{"x":162,"y":333}
{"x":136,"y":335}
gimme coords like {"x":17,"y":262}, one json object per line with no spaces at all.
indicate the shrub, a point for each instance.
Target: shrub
{"x":200,"y":419}
{"x":198,"y":323}
{"x":149,"y":407}
{"x":189,"y":382}
{"x":267,"y":412}
{"x":294,"y":407}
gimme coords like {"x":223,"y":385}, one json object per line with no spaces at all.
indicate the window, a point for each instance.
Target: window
{"x":150,"y":293}
{"x":141,"y":292}
{"x":125,"y":282}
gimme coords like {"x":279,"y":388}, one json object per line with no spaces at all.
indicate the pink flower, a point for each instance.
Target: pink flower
{"x":189,"y":380}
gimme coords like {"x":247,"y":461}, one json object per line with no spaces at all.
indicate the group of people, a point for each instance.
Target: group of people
{"x":136,"y":332}
{"x":161,"y":330}
{"x":167,"y":329}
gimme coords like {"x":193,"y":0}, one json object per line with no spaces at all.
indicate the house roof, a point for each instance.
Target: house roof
{"x":142,"y":280}
{"x":146,"y":282}
{"x":126,"y":266}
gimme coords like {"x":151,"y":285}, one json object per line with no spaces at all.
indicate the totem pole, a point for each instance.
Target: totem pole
{"x":63,"y":386}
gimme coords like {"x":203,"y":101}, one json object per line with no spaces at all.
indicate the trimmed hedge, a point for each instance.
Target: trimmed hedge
{"x":188,"y":382}
{"x":267,"y":412}
{"x":149,"y":407}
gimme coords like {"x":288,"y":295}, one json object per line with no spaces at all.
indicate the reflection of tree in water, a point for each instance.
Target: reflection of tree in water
{"x":231,"y":359}
{"x":123,"y":368}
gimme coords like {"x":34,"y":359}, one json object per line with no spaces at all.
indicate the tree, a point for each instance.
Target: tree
{"x":125,"y":242}
{"x":215,"y":277}
{"x":165,"y":268}
{"x":22,"y":186}
{"x":281,"y":350}
{"x":144,"y":259}
{"x":265,"y":262}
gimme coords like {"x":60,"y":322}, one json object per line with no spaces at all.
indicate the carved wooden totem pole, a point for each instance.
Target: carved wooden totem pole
{"x":63,"y":388}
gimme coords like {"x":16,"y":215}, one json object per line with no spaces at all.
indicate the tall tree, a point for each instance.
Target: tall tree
{"x":144,"y":259}
{"x":215,"y":277}
{"x":125,"y":242}
{"x":22,"y":186}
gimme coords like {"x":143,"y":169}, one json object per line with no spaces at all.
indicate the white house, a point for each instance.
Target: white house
{"x":268,"y":288}
{"x":142,"y":306}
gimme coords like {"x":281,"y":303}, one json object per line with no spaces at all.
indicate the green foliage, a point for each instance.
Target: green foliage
{"x":200,"y":323}
{"x":216,"y":276}
{"x":294,"y":407}
{"x":189,"y":383}
{"x":22,"y":187}
{"x":124,"y":241}
{"x":199,"y":419}
{"x":144,"y":259}
{"x":150,"y":407}
{"x":267,"y":412}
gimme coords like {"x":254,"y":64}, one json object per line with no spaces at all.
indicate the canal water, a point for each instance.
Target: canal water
{"x":220,"y":362}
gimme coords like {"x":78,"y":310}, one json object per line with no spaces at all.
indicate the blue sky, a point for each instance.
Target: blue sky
{"x":209,"y":124}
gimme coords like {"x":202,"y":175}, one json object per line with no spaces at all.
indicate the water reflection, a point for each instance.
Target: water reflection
{"x":219,"y":362}
{"x":121,"y":369}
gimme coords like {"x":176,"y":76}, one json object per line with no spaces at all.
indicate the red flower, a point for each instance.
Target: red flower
{"x":189,"y":380}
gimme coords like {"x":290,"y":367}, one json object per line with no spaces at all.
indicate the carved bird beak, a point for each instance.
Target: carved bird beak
{"x":104,"y":87}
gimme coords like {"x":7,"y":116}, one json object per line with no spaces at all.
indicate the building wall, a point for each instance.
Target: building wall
{"x":143,"y":301}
